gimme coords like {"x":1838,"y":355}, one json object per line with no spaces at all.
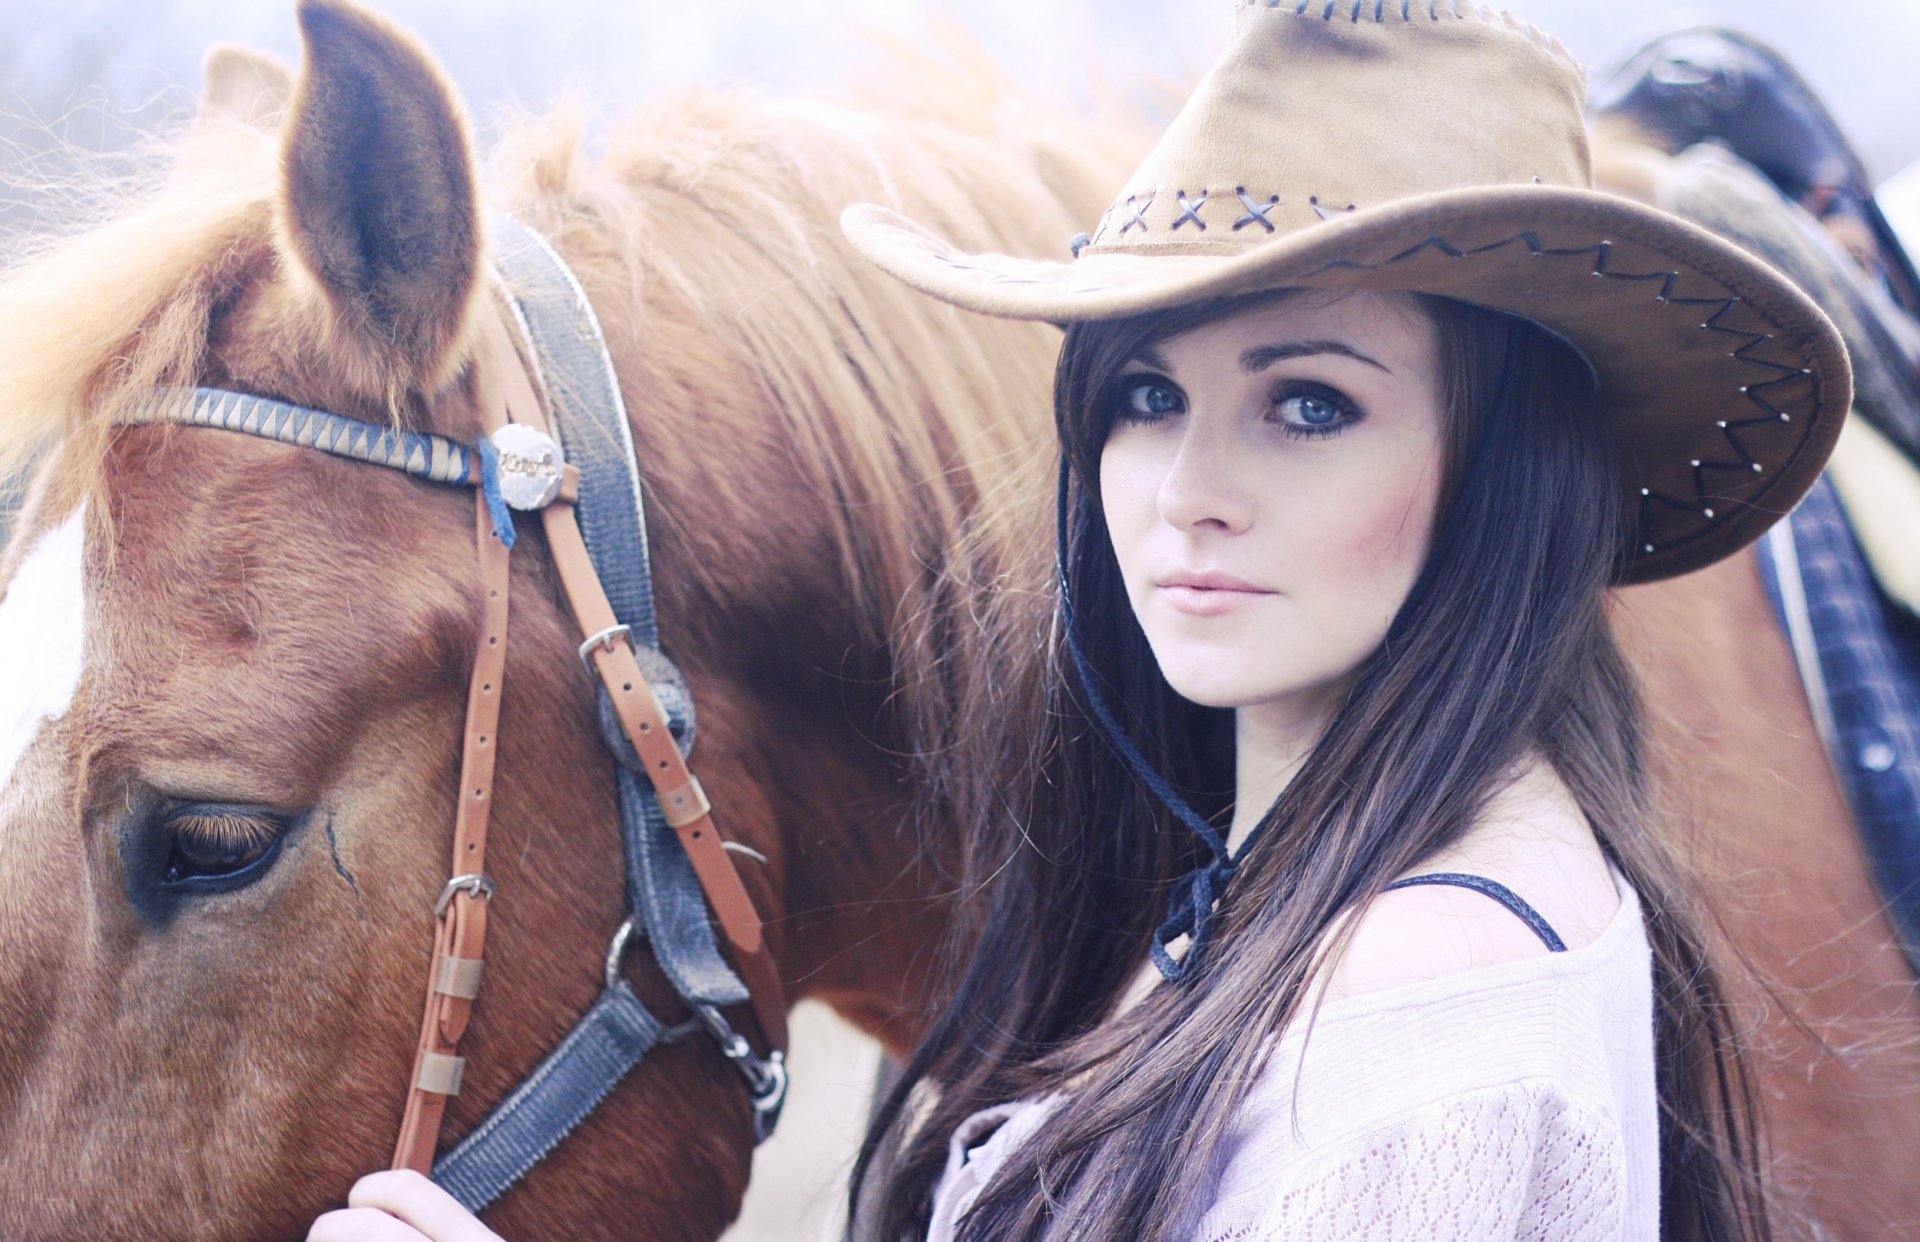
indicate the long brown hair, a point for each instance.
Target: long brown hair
{"x":1501,"y":649}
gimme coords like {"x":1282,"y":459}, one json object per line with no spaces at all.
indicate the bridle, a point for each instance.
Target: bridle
{"x":579,"y":474}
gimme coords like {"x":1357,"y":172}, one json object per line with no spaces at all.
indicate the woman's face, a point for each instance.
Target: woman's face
{"x":1270,"y":485}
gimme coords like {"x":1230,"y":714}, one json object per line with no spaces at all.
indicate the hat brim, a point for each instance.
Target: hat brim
{"x":1707,"y":362}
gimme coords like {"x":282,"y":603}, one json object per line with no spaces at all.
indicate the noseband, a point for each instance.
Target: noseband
{"x":579,"y":474}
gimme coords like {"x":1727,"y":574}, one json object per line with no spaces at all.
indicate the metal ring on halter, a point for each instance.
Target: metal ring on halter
{"x":746,"y":851}
{"x":478,"y":887}
{"x":604,"y":640}
{"x":617,"y":948}
{"x":766,"y":1076}
{"x":616,"y":955}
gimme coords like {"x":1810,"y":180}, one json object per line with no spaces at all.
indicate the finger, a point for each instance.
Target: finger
{"x":416,"y":1200}
{"x":361,"y":1225}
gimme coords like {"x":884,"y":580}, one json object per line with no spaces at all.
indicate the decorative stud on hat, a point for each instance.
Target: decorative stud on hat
{"x":1440,"y":148}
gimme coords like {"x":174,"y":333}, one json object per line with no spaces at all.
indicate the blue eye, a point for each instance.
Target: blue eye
{"x":1148,"y":399}
{"x":1314,"y":411}
{"x":1306,"y":411}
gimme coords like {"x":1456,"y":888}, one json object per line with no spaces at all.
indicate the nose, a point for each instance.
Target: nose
{"x":1203,"y":487}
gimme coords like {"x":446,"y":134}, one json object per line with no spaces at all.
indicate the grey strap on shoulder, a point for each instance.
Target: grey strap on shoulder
{"x":1499,"y":892}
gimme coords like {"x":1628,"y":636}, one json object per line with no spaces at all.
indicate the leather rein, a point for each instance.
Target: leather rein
{"x":519,"y":464}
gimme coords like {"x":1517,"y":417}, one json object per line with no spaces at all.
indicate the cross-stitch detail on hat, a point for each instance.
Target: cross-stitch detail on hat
{"x":1256,"y":212}
{"x":1196,"y":209}
{"x":1353,"y":112}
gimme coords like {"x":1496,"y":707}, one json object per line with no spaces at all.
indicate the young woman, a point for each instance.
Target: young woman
{"x":1340,"y":910}
{"x":1335,"y":907}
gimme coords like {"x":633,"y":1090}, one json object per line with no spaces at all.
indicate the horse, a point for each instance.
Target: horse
{"x":235,"y":671}
{"x":1826,"y":997}
{"x":1719,"y":128}
{"x":242,"y":654}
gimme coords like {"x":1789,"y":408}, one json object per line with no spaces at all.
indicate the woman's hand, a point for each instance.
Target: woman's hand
{"x":399,"y":1206}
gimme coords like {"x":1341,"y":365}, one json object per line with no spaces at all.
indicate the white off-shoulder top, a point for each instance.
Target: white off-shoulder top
{"x":1516,"y":1101}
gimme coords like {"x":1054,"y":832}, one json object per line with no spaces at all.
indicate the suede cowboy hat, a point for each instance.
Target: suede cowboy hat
{"x":1439,"y":147}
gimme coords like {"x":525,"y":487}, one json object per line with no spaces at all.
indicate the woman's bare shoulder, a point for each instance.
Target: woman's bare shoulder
{"x":1534,"y":840}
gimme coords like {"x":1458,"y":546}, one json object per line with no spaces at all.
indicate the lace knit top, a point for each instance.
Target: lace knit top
{"x":1515,"y":1101}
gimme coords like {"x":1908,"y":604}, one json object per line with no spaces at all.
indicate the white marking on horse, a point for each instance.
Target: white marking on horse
{"x":42,"y":638}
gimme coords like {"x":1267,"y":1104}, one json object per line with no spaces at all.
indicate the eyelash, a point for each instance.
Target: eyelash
{"x":1343,"y":405}
{"x":1350,"y":413}
{"x":1124,"y":412}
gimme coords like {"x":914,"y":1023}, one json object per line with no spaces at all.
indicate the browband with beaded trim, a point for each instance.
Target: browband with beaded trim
{"x":437,"y":459}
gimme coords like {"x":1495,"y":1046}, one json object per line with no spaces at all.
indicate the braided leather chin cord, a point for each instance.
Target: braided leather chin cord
{"x":1191,"y":910}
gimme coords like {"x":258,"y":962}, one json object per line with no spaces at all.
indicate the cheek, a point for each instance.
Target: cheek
{"x":1129,"y":493}
{"x":1377,"y":549}
{"x":1392,"y":537}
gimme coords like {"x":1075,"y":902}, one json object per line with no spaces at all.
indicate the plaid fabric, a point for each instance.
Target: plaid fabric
{"x":1869,"y":656}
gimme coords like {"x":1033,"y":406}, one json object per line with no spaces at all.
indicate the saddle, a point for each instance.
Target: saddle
{"x":1748,"y":150}
{"x":1743,"y":148}
{"x":1708,"y":84}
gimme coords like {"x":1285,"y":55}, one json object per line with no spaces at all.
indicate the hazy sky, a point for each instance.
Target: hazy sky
{"x":62,"y":58}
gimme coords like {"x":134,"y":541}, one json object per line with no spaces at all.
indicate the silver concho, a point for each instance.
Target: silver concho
{"x":531,"y":466}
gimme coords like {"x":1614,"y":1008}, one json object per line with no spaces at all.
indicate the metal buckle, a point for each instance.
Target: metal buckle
{"x":478,"y":887}
{"x":766,"y":1076}
{"x":604,"y":640}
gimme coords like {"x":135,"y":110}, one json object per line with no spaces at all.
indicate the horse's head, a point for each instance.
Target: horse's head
{"x":234,"y":684}
{"x":233,"y":672}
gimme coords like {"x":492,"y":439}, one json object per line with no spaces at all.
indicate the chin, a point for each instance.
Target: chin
{"x":1228,"y":677}
{"x":1223,"y":688}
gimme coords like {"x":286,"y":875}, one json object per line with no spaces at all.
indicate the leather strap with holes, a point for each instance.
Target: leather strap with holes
{"x":681,"y":797}
{"x":460,"y":936}
{"x":459,"y":942}
{"x":644,"y":721}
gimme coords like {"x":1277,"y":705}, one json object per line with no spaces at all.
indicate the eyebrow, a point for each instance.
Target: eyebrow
{"x":1260,"y":357}
{"x":1154,"y":360}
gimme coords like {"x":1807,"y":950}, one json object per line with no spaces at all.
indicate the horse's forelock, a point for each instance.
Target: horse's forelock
{"x":101,"y":317}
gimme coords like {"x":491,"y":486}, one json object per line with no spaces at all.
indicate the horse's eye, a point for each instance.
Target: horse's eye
{"x":218,"y":842}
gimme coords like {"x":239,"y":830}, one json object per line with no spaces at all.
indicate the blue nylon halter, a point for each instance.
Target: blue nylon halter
{"x":665,"y":901}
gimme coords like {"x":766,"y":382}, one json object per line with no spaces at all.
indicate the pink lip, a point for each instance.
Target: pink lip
{"x":1210,"y":581}
{"x":1208,"y":594}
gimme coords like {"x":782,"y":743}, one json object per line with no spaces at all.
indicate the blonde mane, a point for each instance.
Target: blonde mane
{"x":926,"y":431}
{"x":97,"y":317}
{"x":707,"y":231}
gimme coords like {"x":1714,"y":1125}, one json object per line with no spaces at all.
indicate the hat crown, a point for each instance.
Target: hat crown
{"x":1325,"y":107}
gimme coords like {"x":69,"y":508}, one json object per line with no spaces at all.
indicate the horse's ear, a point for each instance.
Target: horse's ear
{"x":378,"y":192}
{"x":246,"y":85}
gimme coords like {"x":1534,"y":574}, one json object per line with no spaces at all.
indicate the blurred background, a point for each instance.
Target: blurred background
{"x":95,"y":73}
{"x":81,"y":76}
